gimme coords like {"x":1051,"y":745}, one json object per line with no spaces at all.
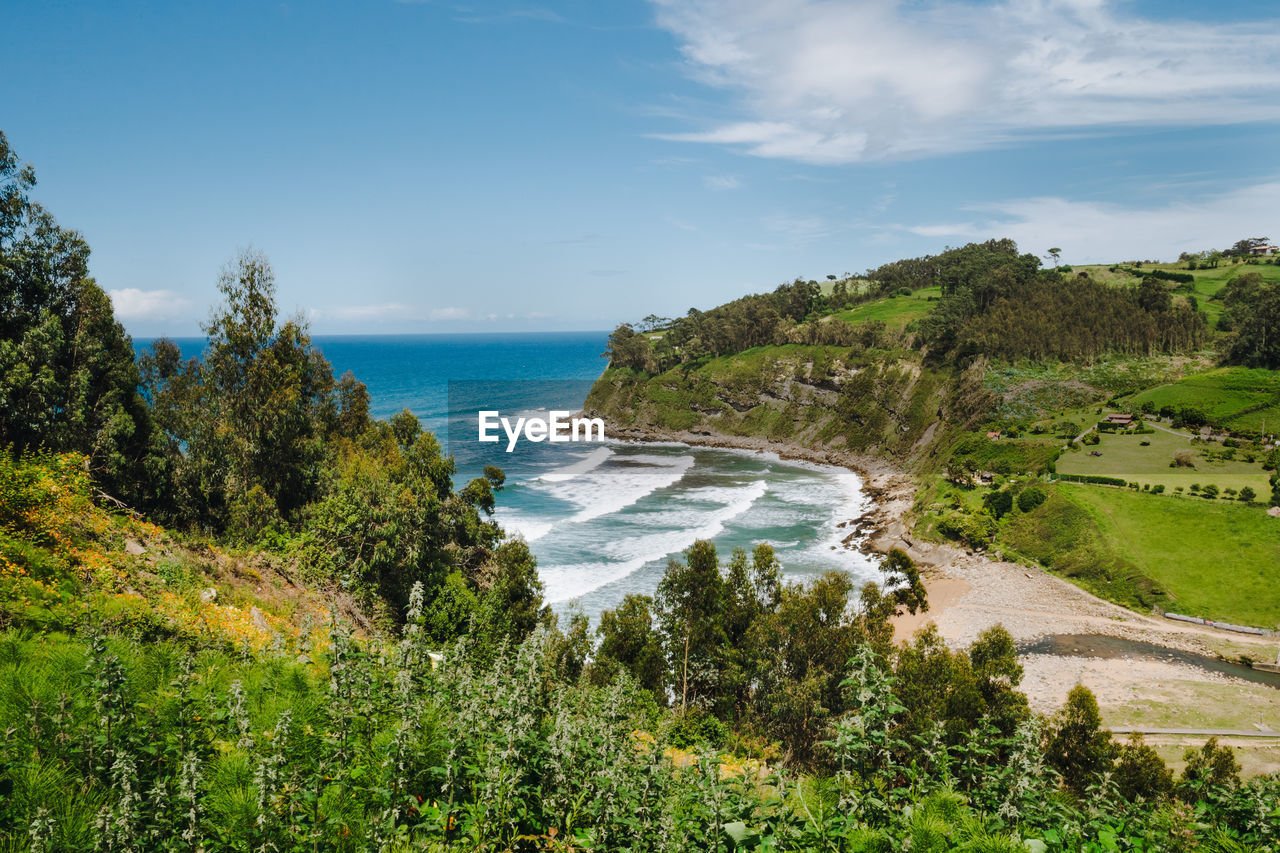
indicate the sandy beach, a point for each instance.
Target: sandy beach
{"x":972,"y":591}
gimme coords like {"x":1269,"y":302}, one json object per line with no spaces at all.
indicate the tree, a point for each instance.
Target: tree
{"x":1078,"y":747}
{"x":629,"y":642}
{"x":1251,"y":308}
{"x":67,"y":374}
{"x":1055,"y":253}
{"x":1244,"y":248}
{"x":690,"y":602}
{"x":1140,"y":771}
{"x":999,"y":503}
{"x":1210,"y":766}
{"x":247,"y":422}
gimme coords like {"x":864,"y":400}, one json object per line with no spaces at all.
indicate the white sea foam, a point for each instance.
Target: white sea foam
{"x":607,"y":489}
{"x":593,"y":460}
{"x":565,"y":582}
{"x":527,"y":528}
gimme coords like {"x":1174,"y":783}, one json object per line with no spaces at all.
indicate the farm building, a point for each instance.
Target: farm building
{"x":1263,"y":250}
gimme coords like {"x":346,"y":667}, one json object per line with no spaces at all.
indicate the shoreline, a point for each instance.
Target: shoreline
{"x":971,"y":591}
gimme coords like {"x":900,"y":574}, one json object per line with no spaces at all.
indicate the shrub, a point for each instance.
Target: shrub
{"x":1096,"y":479}
{"x":1030,"y":498}
{"x":969,"y":528}
{"x":998,"y":503}
{"x":1247,"y":495}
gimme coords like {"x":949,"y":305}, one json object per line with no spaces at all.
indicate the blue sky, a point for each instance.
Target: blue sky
{"x":435,"y":166}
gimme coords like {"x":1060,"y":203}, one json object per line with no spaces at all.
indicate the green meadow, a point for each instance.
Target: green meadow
{"x":1124,"y":456}
{"x":1233,"y":397}
{"x":895,"y":311}
{"x":1216,"y":559}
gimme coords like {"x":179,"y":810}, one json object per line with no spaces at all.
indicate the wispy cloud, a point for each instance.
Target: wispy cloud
{"x":721,"y":182}
{"x":822,"y":82}
{"x":448,"y":314}
{"x":1100,"y":232}
{"x":380,"y":311}
{"x":133,"y":305}
{"x":525,"y":14}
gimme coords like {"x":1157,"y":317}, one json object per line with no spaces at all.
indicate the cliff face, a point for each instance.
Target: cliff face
{"x":823,"y":401}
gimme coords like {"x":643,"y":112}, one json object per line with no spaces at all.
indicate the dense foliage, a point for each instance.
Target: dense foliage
{"x":67,"y":375}
{"x":1252,"y":314}
{"x":994,"y":303}
{"x":117,"y":745}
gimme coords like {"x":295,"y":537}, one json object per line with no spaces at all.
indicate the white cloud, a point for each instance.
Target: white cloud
{"x":134,"y":305}
{"x":449,"y":314}
{"x":826,"y":82}
{"x":721,"y":182}
{"x":1102,"y":232}
{"x":364,"y":312}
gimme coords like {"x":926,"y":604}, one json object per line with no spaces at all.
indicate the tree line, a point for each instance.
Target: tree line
{"x":255,"y":440}
{"x":995,"y":303}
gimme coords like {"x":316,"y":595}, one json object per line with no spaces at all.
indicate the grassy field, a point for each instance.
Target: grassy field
{"x":1207,"y":283}
{"x":1124,"y":456}
{"x":1234,"y":397}
{"x":1216,"y":559}
{"x":895,"y":311}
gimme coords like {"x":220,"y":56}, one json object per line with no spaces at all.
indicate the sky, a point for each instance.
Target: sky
{"x":573,"y":164}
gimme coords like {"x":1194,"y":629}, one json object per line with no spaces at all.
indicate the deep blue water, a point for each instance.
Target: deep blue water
{"x":602,"y":519}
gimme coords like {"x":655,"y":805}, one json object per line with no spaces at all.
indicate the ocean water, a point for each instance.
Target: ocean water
{"x":602,"y":518}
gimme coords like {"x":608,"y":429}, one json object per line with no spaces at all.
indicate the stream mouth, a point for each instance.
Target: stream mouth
{"x":1110,"y":648}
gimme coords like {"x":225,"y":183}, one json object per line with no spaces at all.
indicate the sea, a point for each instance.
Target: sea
{"x":603,"y":518}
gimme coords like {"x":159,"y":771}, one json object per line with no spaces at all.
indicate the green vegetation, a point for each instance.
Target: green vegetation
{"x":1217,"y":559}
{"x":896,"y":312}
{"x":332,"y":648}
{"x":1236,"y":398}
{"x":1146,"y":459}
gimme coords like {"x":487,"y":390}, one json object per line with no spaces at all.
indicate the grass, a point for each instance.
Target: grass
{"x":1200,"y":705}
{"x":1030,"y":391}
{"x":1124,"y":456}
{"x":1233,"y":397}
{"x":1207,"y":281}
{"x":1216,"y":559}
{"x":895,"y":311}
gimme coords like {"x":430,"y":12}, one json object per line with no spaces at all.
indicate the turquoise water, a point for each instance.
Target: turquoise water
{"x":602,"y":518}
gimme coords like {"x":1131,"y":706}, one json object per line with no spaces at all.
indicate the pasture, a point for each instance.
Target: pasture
{"x":1216,"y":559}
{"x":894,"y":311}
{"x":1124,"y":456}
{"x":1236,"y":398}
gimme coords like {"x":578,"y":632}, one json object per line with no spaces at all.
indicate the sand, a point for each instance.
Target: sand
{"x":970,"y":592}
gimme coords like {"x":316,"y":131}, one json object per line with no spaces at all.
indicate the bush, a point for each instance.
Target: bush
{"x":1030,"y":498}
{"x":1247,"y":495}
{"x":973,"y":530}
{"x":1095,"y":479}
{"x":696,"y":728}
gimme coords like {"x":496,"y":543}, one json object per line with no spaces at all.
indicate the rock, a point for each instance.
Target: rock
{"x":259,"y":621}
{"x":1274,"y":512}
{"x":208,"y":596}
{"x":134,"y":548}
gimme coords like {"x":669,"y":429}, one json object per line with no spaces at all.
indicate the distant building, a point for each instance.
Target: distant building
{"x":1117,"y":419}
{"x":1263,"y":250}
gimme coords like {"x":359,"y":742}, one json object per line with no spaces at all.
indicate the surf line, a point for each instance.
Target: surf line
{"x":557,"y":427}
